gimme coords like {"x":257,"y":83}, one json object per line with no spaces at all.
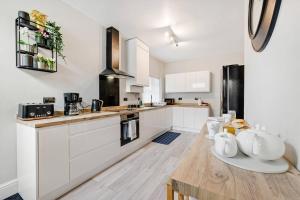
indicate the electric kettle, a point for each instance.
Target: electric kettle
{"x":96,"y":105}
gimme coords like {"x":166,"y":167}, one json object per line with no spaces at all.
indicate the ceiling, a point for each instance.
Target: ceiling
{"x":204,"y":27}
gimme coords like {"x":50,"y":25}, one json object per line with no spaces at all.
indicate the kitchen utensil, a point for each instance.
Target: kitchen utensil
{"x":227,"y":117}
{"x":96,"y":105}
{"x":199,"y":102}
{"x":260,"y":145}
{"x":233,"y":114}
{"x":225,"y":144}
{"x":213,"y":127}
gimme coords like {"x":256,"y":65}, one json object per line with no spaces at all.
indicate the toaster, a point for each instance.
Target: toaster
{"x":170,"y":101}
{"x":35,"y":111}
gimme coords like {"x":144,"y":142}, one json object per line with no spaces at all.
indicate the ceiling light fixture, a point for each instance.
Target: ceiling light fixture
{"x":172,"y":37}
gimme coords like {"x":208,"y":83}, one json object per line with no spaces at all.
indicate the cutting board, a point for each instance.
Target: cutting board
{"x":248,"y":163}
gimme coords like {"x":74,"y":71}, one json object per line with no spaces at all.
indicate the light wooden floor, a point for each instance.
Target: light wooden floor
{"x":141,"y":176}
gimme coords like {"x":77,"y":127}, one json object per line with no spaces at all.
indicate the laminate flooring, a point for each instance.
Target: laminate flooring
{"x":140,"y":176}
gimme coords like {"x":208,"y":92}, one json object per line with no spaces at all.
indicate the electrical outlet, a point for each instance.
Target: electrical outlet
{"x":48,"y":99}
{"x":196,"y":98}
{"x":125,"y":99}
{"x":180,"y":98}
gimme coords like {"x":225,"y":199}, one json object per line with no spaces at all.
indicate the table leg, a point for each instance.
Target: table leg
{"x":170,"y":192}
{"x":180,"y":196}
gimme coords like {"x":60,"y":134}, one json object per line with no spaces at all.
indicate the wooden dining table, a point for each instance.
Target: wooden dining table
{"x":203,"y":176}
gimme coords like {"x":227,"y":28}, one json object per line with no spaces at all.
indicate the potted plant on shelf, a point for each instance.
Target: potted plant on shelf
{"x":55,"y":40}
{"x":41,"y":61}
{"x":24,"y":41}
{"x":41,"y":38}
{"x":50,"y":63}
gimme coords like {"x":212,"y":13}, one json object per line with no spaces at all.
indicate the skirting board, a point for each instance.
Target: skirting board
{"x":8,"y":189}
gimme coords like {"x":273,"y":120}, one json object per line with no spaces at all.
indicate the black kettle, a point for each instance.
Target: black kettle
{"x":96,"y":105}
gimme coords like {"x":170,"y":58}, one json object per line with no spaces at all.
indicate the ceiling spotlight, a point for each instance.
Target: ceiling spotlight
{"x":173,"y":38}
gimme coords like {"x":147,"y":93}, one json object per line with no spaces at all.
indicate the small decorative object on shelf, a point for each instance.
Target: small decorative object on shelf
{"x":39,"y":18}
{"x":38,"y":42}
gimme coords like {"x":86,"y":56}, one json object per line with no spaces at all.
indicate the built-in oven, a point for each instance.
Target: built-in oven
{"x":130,"y":127}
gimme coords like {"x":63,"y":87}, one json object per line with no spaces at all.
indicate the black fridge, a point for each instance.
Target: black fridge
{"x":233,"y":90}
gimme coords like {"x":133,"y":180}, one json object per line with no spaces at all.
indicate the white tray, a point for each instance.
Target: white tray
{"x":244,"y":162}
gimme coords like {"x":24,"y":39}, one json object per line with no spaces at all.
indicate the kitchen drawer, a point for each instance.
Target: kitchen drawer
{"x":82,"y":143}
{"x":93,"y":160}
{"x":82,"y":127}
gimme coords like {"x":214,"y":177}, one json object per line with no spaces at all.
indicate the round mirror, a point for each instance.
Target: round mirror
{"x":262,"y":16}
{"x":256,"y":14}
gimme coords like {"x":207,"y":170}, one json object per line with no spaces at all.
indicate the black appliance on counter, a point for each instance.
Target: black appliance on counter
{"x":233,"y":90}
{"x":71,"y":104}
{"x":130,"y":127}
{"x":35,"y":111}
{"x":170,"y":101}
{"x":96,"y":105}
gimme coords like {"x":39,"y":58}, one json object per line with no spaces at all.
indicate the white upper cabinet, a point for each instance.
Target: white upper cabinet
{"x":188,"y":82}
{"x":175,"y":83}
{"x":137,"y":63}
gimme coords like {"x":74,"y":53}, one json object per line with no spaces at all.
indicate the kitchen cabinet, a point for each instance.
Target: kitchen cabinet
{"x":53,"y":158}
{"x":189,"y":119}
{"x":188,"y":82}
{"x":154,"y":122}
{"x":137,"y":64}
{"x":197,"y":81}
{"x":175,"y":83}
{"x":177,"y":117}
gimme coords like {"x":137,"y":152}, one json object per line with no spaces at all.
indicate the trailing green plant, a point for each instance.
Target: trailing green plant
{"x":50,"y":63}
{"x":22,"y":42}
{"x":56,"y":38}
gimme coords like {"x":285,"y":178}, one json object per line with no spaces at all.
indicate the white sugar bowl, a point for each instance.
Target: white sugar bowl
{"x":226,"y":144}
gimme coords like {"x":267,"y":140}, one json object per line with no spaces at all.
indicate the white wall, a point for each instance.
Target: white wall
{"x":272,"y":93}
{"x":213,"y":64}
{"x":79,"y":74}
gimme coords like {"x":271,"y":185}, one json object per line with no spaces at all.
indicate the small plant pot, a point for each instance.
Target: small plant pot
{"x":40,"y":40}
{"x":24,"y":17}
{"x":35,"y":63}
{"x":26,"y":60}
{"x":49,"y":44}
{"x":41,"y":65}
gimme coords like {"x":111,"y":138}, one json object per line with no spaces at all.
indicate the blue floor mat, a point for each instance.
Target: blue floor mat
{"x":166,"y":138}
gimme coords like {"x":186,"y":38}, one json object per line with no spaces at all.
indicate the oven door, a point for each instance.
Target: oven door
{"x":125,"y":132}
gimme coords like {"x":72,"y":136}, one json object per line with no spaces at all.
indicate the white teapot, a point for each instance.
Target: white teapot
{"x":225,"y":144}
{"x":261,"y":145}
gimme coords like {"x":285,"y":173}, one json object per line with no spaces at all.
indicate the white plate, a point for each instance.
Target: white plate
{"x":244,"y":162}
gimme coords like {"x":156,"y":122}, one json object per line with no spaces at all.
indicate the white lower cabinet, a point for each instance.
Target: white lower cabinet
{"x":177,"y":117}
{"x":189,"y":118}
{"x":53,"y":159}
{"x":154,"y":122}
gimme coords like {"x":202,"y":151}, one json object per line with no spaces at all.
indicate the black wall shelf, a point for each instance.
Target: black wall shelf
{"x":27,"y":56}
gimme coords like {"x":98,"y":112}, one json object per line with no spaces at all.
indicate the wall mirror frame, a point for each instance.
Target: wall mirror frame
{"x":262,"y":17}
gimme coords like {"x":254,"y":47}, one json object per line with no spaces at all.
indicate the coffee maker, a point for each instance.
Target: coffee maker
{"x":71,"y":104}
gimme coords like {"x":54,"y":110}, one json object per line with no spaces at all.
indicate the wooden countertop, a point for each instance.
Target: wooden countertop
{"x":107,"y":112}
{"x":203,"y":176}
